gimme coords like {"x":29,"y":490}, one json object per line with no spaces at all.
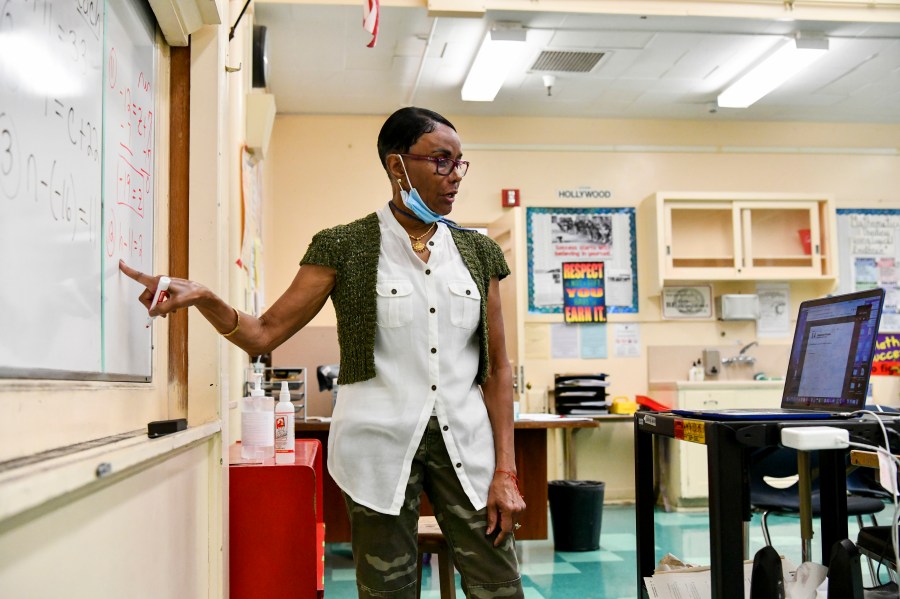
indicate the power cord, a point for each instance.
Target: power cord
{"x":886,"y":452}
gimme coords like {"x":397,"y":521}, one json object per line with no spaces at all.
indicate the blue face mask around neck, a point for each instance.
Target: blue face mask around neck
{"x":413,"y":201}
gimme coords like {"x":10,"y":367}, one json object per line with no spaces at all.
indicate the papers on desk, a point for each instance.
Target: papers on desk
{"x":590,"y":408}
{"x":689,"y":582}
{"x":546,"y":417}
{"x":694,"y":581}
{"x":539,"y":417}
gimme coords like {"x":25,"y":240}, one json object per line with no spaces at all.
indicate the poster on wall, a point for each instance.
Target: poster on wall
{"x":774,"y":310}
{"x":869,"y":255}
{"x":559,"y":235}
{"x":585,"y":341}
{"x":583,"y":299}
{"x":689,"y":302}
{"x":887,"y":355}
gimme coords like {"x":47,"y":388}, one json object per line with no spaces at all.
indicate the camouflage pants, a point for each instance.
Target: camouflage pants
{"x":384,"y":546}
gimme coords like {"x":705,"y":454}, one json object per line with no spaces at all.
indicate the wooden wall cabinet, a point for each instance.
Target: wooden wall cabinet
{"x":738,"y":236}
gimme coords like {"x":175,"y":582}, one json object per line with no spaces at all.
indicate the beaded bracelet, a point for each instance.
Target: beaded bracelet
{"x":237,"y":324}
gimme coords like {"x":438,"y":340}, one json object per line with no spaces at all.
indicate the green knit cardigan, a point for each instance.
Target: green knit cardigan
{"x":352,"y":250}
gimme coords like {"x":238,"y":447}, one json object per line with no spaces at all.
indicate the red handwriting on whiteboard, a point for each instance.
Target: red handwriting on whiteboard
{"x":130,"y":140}
{"x":131,"y":185}
{"x":143,"y":83}
{"x":137,"y":121}
{"x":123,"y":240}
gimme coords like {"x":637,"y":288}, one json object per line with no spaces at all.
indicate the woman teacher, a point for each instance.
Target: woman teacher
{"x":425,"y":396}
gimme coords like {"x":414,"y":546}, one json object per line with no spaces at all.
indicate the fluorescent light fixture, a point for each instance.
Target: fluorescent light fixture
{"x":791,"y":58}
{"x":500,"y":48}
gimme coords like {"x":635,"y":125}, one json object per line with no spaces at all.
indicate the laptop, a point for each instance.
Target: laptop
{"x":830,"y":361}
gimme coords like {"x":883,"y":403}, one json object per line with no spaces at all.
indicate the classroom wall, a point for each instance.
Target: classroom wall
{"x":325,"y":171}
{"x":143,"y":535}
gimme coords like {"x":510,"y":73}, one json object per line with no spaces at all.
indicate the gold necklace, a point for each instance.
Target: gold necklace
{"x":419,"y":246}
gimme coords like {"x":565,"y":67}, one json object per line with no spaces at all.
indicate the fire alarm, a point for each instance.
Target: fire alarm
{"x":510,"y":198}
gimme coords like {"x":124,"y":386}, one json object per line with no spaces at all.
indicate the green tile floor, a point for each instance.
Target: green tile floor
{"x":605,"y":574}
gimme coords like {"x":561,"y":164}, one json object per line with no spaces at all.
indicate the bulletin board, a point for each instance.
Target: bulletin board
{"x":78,"y":101}
{"x":869,"y":256}
{"x":558,"y":235}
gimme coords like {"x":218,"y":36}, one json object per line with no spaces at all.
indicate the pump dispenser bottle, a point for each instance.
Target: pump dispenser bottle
{"x":257,"y":423}
{"x":284,"y":427}
{"x":696,"y":372}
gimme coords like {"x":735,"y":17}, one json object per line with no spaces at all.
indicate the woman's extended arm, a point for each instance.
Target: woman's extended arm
{"x":504,"y":500}
{"x":292,"y":311}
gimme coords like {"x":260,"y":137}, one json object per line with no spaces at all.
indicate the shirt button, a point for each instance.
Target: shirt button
{"x":434,"y":350}
{"x":458,"y":465}
{"x":431,"y":243}
{"x":468,"y":292}
{"x":394,"y":291}
{"x":432,"y":310}
{"x":446,"y":428}
{"x":428,"y":271}
{"x":434,"y":387}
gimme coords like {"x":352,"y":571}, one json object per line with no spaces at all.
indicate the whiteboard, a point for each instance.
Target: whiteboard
{"x":77,"y":179}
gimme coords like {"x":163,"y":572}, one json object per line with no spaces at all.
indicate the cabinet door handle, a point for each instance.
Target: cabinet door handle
{"x":817,"y":249}
{"x":668,"y":250}
{"x":710,"y":403}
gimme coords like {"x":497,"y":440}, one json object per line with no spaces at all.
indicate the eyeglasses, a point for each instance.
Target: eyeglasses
{"x":443,"y":166}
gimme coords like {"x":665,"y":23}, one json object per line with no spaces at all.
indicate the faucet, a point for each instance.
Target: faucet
{"x":742,"y":357}
{"x":746,"y":347}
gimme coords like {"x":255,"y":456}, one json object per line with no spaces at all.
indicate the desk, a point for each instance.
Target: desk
{"x":864,"y":458}
{"x":531,"y":463}
{"x":276,"y":541}
{"x":727,"y":448}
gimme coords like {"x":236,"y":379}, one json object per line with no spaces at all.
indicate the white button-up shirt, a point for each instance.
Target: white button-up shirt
{"x":426,"y":361}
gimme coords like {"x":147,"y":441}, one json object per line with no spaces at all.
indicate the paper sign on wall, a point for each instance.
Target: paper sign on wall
{"x":583,"y":292}
{"x":887,"y":355}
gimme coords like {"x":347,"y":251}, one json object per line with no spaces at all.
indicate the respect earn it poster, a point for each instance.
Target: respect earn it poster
{"x":583,"y":296}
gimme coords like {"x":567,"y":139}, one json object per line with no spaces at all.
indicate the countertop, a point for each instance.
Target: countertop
{"x":717,"y":384}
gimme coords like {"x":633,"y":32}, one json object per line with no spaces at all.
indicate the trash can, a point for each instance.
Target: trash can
{"x":576,"y":512}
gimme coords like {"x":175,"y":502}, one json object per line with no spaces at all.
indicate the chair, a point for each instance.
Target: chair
{"x":772,"y":465}
{"x":431,"y":540}
{"x":875,"y":542}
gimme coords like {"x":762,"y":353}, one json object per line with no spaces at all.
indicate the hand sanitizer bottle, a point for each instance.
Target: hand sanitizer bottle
{"x":257,"y":423}
{"x":284,"y":427}
{"x":696,"y":372}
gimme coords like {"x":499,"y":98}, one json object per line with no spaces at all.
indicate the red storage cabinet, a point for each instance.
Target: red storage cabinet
{"x":276,"y":525}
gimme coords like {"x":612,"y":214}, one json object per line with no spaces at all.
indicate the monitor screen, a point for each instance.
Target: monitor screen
{"x":831,"y":356}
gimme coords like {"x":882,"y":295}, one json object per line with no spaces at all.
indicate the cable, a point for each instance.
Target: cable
{"x":896,"y":514}
{"x":886,"y":451}
{"x":240,"y":16}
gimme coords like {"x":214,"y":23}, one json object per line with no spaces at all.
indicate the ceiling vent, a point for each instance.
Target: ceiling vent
{"x":567,"y":61}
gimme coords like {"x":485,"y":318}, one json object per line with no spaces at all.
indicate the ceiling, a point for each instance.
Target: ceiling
{"x":652,"y":68}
